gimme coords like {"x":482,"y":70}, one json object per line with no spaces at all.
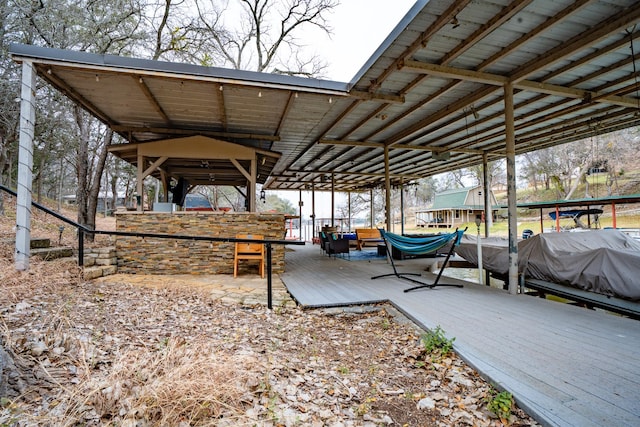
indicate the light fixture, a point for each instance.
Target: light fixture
{"x":97,"y":78}
{"x":330,"y":100}
{"x":220,"y":88}
{"x":263,"y":160}
{"x":263,"y":196}
{"x":260,"y":94}
{"x":140,"y":80}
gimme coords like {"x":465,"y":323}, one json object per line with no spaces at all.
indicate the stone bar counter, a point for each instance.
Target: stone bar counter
{"x":172,"y":256}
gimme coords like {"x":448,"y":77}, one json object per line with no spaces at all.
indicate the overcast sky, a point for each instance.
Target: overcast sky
{"x":359,"y":27}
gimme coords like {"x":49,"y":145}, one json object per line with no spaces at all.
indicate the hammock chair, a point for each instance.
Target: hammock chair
{"x":420,"y":246}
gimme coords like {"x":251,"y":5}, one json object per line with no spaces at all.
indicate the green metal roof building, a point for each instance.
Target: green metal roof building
{"x":454,"y":207}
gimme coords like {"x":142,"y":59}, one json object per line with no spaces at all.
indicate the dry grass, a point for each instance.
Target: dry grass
{"x":172,"y":383}
{"x":179,"y":383}
{"x":50,"y":275}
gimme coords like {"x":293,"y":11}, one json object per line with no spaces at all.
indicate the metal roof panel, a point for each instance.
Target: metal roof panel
{"x":435,"y":83}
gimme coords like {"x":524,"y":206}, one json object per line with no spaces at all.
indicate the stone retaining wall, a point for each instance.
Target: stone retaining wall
{"x":168,"y":256}
{"x":99,"y":262}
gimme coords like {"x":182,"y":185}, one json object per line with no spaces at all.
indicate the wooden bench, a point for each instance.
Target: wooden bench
{"x":367,"y":235}
{"x":590,"y":299}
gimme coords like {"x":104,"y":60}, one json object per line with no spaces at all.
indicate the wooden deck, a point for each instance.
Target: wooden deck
{"x":565,"y":365}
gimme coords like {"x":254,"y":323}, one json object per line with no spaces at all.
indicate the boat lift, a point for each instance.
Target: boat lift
{"x":584,"y":205}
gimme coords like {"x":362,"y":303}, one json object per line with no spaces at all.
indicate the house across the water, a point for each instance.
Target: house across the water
{"x":454,"y":207}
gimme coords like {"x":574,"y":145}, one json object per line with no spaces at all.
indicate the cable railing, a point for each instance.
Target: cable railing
{"x":82,"y":230}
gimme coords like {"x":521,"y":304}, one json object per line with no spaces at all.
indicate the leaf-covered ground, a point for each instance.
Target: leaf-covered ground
{"x":116,"y":353}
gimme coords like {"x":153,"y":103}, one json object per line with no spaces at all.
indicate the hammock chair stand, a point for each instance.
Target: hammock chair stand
{"x":420,"y":284}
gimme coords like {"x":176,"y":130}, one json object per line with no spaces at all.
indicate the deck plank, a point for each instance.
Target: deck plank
{"x":565,"y":365}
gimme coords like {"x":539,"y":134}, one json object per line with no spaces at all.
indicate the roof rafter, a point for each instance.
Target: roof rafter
{"x":497,"y":80}
{"x":613,"y":24}
{"x":152,"y":99}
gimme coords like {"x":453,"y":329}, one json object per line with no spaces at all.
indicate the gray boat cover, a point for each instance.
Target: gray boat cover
{"x":602,"y":261}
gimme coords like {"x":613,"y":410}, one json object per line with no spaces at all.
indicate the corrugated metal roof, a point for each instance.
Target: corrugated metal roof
{"x":434,"y":85}
{"x":450,"y":199}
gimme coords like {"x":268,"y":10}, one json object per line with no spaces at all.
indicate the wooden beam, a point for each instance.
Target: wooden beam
{"x":223,"y":107}
{"x":549,"y":23}
{"x":376,"y":96}
{"x":204,"y":132}
{"x":453,"y":73}
{"x":243,"y":171}
{"x":497,"y":80}
{"x":285,"y":111}
{"x":152,"y":99}
{"x":620,"y":43}
{"x":421,"y":41}
{"x":155,"y":165}
{"x":567,"y":92}
{"x":347,"y":173}
{"x":417,"y":106}
{"x":46,"y":73}
{"x":496,"y":21}
{"x":380,"y":145}
{"x":585,"y":40}
{"x":439,"y":115}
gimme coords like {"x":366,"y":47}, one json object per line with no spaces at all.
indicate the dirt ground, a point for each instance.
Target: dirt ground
{"x":160,"y":352}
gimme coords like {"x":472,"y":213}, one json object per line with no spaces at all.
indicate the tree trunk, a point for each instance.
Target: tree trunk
{"x":94,"y":187}
{"x":82,"y":166}
{"x":89,"y":185}
{"x":583,"y":170}
{"x":3,"y":164}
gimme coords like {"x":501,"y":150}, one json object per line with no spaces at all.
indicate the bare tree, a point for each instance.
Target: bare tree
{"x":495,"y":171}
{"x":265,"y":37}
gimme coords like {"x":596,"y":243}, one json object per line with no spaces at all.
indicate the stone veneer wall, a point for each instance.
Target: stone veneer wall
{"x":168,"y":256}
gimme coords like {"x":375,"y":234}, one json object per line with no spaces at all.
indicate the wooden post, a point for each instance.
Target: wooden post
{"x":349,"y":209}
{"x":401,"y":209}
{"x":371,"y":217}
{"x":511,"y":187}
{"x":300,"y":214}
{"x":139,"y":184}
{"x":333,"y":200}
{"x":252,"y":185}
{"x":387,"y":187}
{"x":313,"y":211}
{"x":488,"y":208}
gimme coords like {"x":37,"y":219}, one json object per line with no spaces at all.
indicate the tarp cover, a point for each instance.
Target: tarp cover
{"x":602,"y":261}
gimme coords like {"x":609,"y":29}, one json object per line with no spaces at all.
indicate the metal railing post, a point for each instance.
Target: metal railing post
{"x":269,"y":284}
{"x":80,"y":247}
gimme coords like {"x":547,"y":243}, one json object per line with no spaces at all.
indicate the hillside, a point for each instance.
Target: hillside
{"x":44,"y":225}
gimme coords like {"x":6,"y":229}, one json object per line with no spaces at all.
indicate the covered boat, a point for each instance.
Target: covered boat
{"x":602,"y":261}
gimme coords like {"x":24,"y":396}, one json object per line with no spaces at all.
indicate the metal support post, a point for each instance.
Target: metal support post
{"x":25,"y":167}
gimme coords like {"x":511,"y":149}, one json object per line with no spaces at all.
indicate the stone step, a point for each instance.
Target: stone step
{"x":94,"y":272}
{"x":36,"y":242}
{"x":52,"y":253}
{"x":40,"y":243}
